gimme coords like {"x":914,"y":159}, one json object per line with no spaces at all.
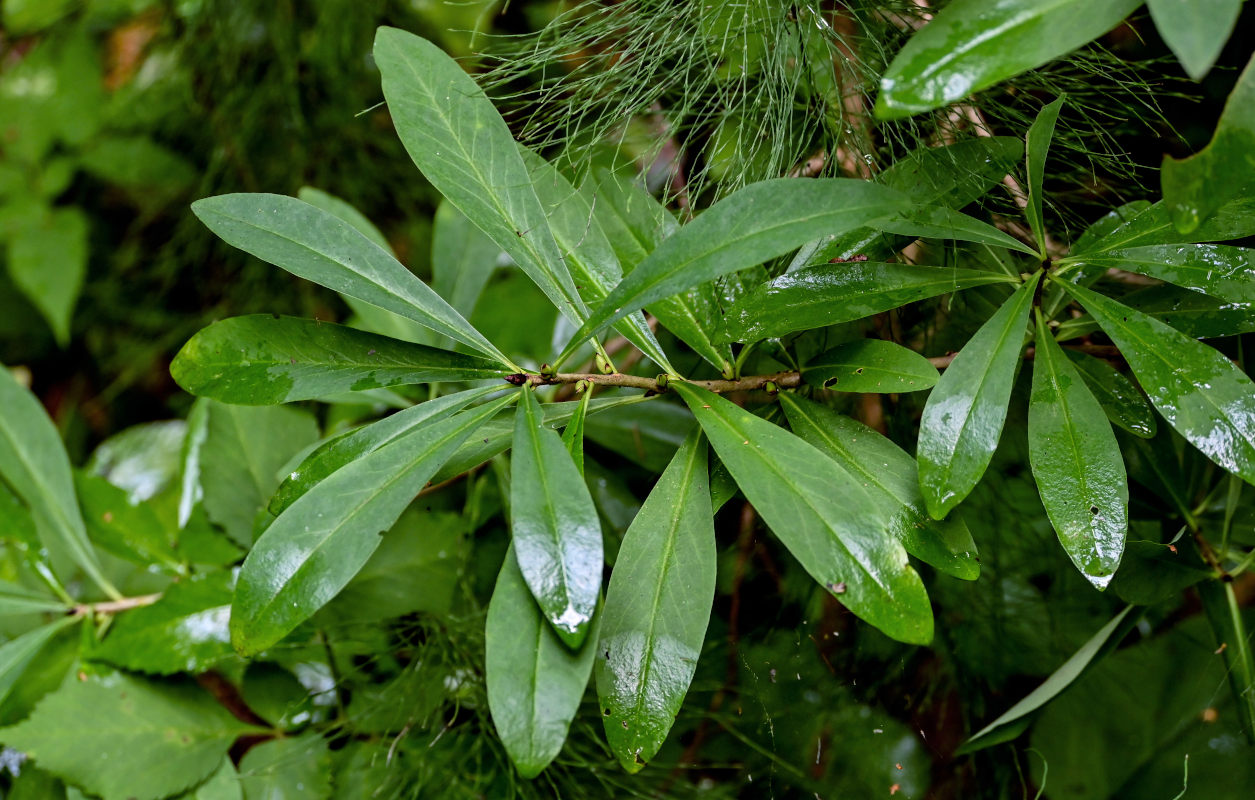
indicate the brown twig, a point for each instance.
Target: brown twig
{"x":114,"y":606}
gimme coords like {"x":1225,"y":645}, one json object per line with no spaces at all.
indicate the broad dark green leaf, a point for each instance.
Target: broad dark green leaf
{"x":263,"y":359}
{"x":939,"y":222}
{"x":184,"y":631}
{"x":1124,"y":403}
{"x":1202,"y":394}
{"x":534,"y":681}
{"x":759,"y":222}
{"x":321,"y":540}
{"x":462,"y":258}
{"x":657,"y":607}
{"x":887,"y":473}
{"x":1076,"y":463}
{"x":573,"y":435}
{"x":123,"y":738}
{"x":20,"y":651}
{"x":1040,"y":134}
{"x":142,"y":459}
{"x":554,"y":526}
{"x":870,"y":365}
{"x":1191,"y":313}
{"x":132,"y":531}
{"x":48,"y":261}
{"x":1195,"y":30}
{"x":345,"y":211}
{"x":1195,"y":187}
{"x":320,"y":247}
{"x":34,"y":463}
{"x":287,"y":769}
{"x":843,"y":540}
{"x":963,"y":418}
{"x":223,"y":784}
{"x":17,"y":601}
{"x":1221,"y":271}
{"x":1153,"y":225}
{"x":971,"y":45}
{"x":646,"y":434}
{"x":463,"y":147}
{"x":826,"y":294}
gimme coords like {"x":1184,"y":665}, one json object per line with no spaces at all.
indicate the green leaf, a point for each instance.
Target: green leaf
{"x":17,"y":653}
{"x":263,"y":359}
{"x":463,"y":147}
{"x":646,"y":434}
{"x":48,"y":262}
{"x":554,"y":526}
{"x":142,"y":459}
{"x":184,"y":631}
{"x":1076,"y":463}
{"x":870,"y":365}
{"x":222,"y":785}
{"x":657,"y":607}
{"x":34,"y":463}
{"x":939,"y":222}
{"x":826,"y":294}
{"x":337,"y":452}
{"x":317,"y":246}
{"x":1195,"y":187}
{"x":888,"y":474}
{"x":843,"y":541}
{"x":1215,"y":269}
{"x":345,"y":211}
{"x":573,"y":435}
{"x":128,"y":739}
{"x":1153,"y":225}
{"x":1195,"y":30}
{"x":535,"y":682}
{"x":132,"y":531}
{"x":1207,"y":399}
{"x":1123,"y":403}
{"x":964,"y":415}
{"x":971,"y":45}
{"x":291,"y":767}
{"x":462,"y":258}
{"x":1040,"y":134}
{"x":759,"y":222}
{"x":17,"y":601}
{"x":1191,"y":313}
{"x":321,"y":540}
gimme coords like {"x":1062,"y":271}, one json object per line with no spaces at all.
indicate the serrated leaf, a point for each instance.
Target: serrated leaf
{"x":132,"y":531}
{"x":963,"y":418}
{"x":128,"y":739}
{"x":1076,"y":463}
{"x":224,"y":784}
{"x":826,"y":294}
{"x":887,"y":473}
{"x":462,"y":258}
{"x":318,"y":543}
{"x":870,"y":365}
{"x":1040,"y":134}
{"x":184,"y":631}
{"x":971,"y":45}
{"x":1123,"y":403}
{"x":534,"y":681}
{"x":48,"y":262}
{"x":1195,"y":30}
{"x":17,"y":653}
{"x":291,"y":767}
{"x":1221,"y":271}
{"x":1201,"y":394}
{"x":142,"y":459}
{"x":844,"y":542}
{"x":657,"y":607}
{"x":554,"y":526}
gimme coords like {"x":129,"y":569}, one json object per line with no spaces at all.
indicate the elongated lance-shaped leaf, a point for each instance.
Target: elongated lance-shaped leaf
{"x":463,"y":258}
{"x":1124,"y":403}
{"x":16,"y":601}
{"x":320,"y":247}
{"x":573,"y":435}
{"x":1153,"y":225}
{"x":318,"y":544}
{"x":843,"y":539}
{"x":759,"y":222}
{"x":964,"y":415}
{"x":462,"y":145}
{"x":1218,"y":270}
{"x":826,"y":294}
{"x":262,"y":359}
{"x":1193,"y":314}
{"x":939,"y":222}
{"x":1076,"y":463}
{"x":554,"y":525}
{"x":888,"y":474}
{"x":34,"y":463}
{"x":1200,"y":392}
{"x":657,"y":607}
{"x":339,"y":451}
{"x":1040,"y":134}
{"x":972,"y":44}
{"x":345,"y":211}
{"x":1195,"y":30}
{"x":534,"y":681}
{"x":870,"y":365}
{"x":17,"y":653}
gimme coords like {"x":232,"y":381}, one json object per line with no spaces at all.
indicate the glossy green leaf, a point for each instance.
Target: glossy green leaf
{"x":534,"y":681}
{"x":224,"y":784}
{"x":1153,"y":225}
{"x":132,"y":531}
{"x":759,"y":222}
{"x":657,"y":607}
{"x":573,"y":435}
{"x":34,"y":463}
{"x":1195,"y":30}
{"x":963,"y":419}
{"x":345,"y":211}
{"x":184,"y":631}
{"x":971,"y":45}
{"x":554,"y":526}
{"x":888,"y":474}
{"x":142,"y":459}
{"x":462,"y":258}
{"x":48,"y":262}
{"x":1123,"y":403}
{"x":123,"y":738}
{"x":870,"y":365}
{"x":1193,"y":188}
{"x":463,"y":147}
{"x":1076,"y":463}
{"x":939,"y":222}
{"x":17,"y":601}
{"x":321,"y":540}
{"x":826,"y":294}
{"x":1201,"y":394}
{"x":1221,"y":271}
{"x":263,"y":359}
{"x":290,"y":768}
{"x":320,"y":247}
{"x":17,"y":653}
{"x":338,"y":452}
{"x":646,"y":434}
{"x":843,"y":540}
{"x":1191,"y":313}
{"x":1040,"y":134}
